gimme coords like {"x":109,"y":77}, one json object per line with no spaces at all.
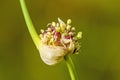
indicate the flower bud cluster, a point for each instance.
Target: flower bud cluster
{"x":57,"y":41}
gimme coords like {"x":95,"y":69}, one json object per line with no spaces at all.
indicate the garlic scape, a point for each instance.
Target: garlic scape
{"x":57,"y":41}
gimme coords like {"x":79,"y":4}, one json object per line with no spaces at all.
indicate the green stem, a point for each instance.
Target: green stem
{"x":36,"y":39}
{"x":29,"y":24}
{"x":71,"y":68}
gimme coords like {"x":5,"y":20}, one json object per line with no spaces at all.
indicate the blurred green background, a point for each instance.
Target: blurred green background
{"x":99,"y":58}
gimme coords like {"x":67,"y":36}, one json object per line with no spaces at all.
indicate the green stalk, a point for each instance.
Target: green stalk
{"x":71,"y":67}
{"x":29,"y":24}
{"x":36,"y":39}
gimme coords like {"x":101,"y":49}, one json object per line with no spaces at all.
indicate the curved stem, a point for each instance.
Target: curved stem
{"x":71,"y":67}
{"x":36,"y":39}
{"x":29,"y":24}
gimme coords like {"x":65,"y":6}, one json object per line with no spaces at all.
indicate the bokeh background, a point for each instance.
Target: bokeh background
{"x":99,"y":58}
